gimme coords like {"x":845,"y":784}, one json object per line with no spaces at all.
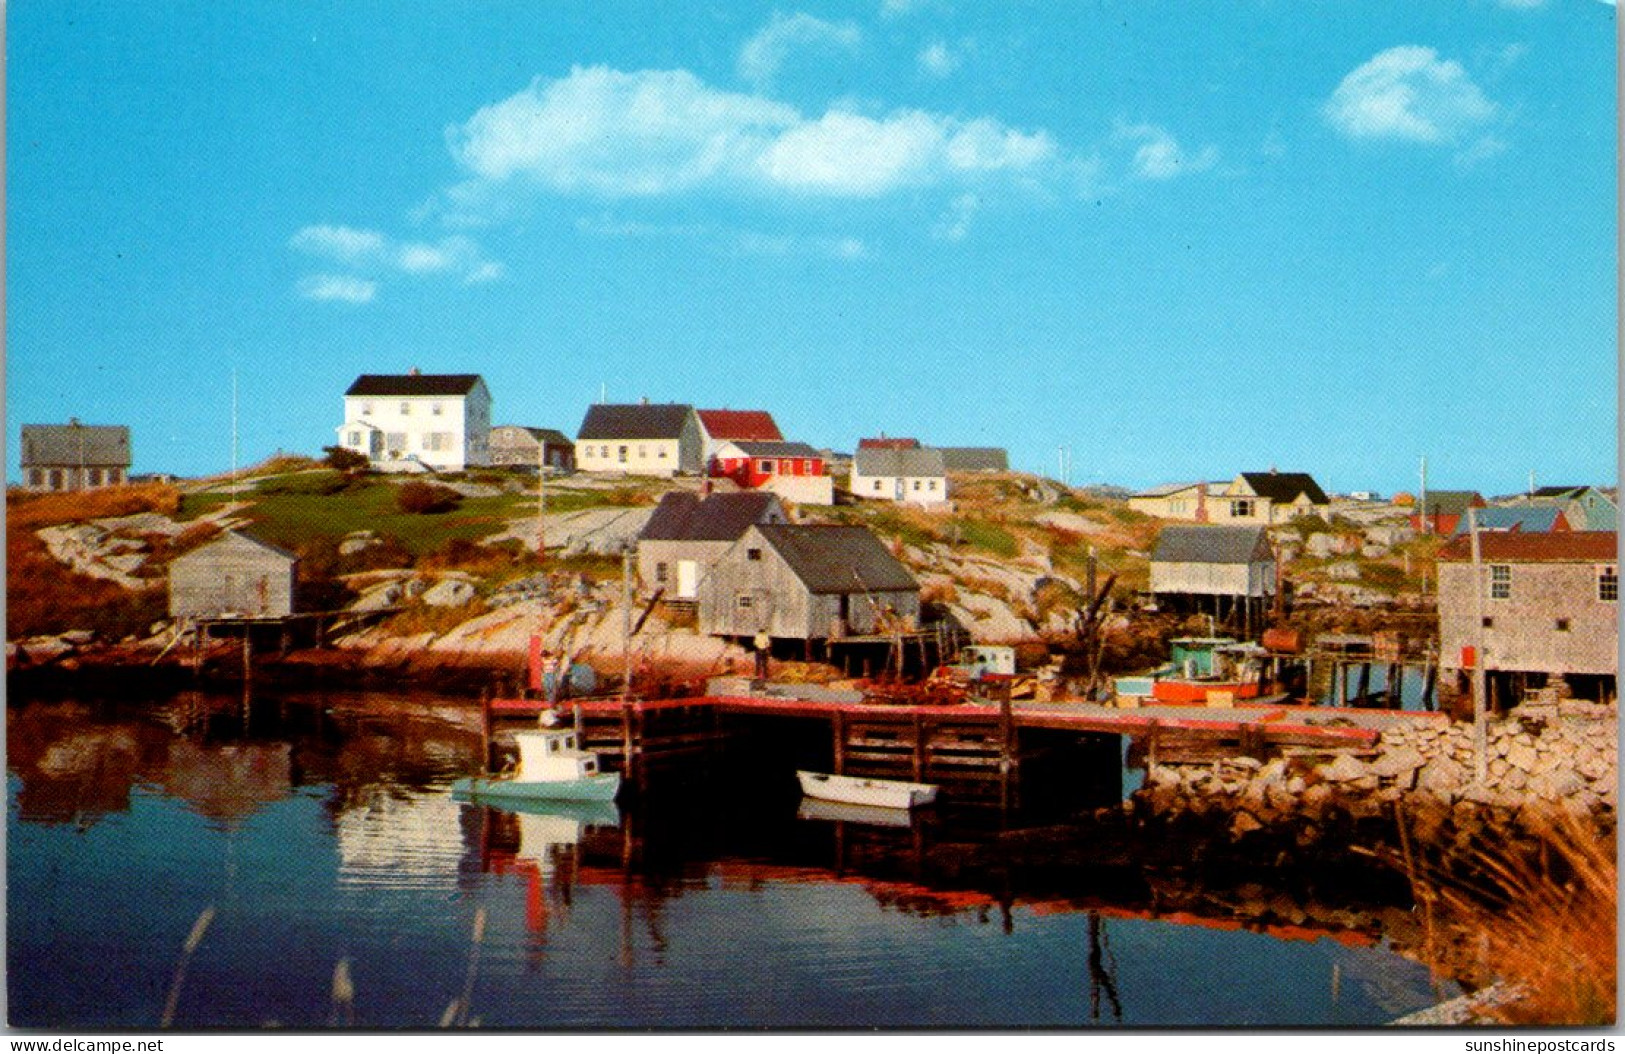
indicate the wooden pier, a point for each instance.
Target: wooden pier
{"x":976,"y":751}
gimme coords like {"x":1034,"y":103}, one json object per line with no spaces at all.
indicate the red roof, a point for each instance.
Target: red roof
{"x":749,"y":425}
{"x":885,"y":443}
{"x":1518,"y":547}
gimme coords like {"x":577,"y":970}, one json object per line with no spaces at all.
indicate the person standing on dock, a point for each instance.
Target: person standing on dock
{"x":762,"y":643}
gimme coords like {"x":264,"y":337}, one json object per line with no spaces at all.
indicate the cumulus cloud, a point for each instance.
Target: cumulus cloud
{"x":1159,"y":156}
{"x":344,"y":288}
{"x":372,"y":251}
{"x":607,"y":133}
{"x":1409,"y":93}
{"x":938,"y":59}
{"x":762,"y":56}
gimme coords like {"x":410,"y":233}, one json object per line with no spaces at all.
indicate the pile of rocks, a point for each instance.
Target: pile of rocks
{"x":1564,"y":757}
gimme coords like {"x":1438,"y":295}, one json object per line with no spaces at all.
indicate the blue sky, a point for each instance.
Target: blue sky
{"x":1181,"y":240}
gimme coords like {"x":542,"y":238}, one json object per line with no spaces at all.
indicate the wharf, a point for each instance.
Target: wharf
{"x":977,"y":747}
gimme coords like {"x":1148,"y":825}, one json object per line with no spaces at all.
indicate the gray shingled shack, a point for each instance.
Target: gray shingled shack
{"x":234,"y":575}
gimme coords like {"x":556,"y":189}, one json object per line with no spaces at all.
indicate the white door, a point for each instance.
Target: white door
{"x":688,"y":579}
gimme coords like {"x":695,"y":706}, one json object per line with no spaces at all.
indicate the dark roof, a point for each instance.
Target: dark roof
{"x":1557,"y":492}
{"x":1284,"y":487}
{"x":683,"y":516}
{"x":776,"y":450}
{"x":740,"y":424}
{"x":387,"y":384}
{"x":975,"y":458}
{"x":882,"y":461}
{"x":1515,"y":518}
{"x":1180,"y":544}
{"x":1518,"y":547}
{"x":634,"y":421}
{"x":889,"y":443}
{"x":75,"y":444}
{"x":550,"y":436}
{"x":836,"y":558}
{"x":1451,"y":502}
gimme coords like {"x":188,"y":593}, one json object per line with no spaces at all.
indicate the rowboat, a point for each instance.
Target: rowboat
{"x":858,"y":790}
{"x":552,"y":767}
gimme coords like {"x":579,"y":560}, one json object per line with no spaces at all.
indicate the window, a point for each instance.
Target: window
{"x":753,"y":554}
{"x":620,"y":453}
{"x":36,"y":477}
{"x":916,"y":484}
{"x":877,"y":484}
{"x":56,"y":479}
{"x":1241,"y":509}
{"x":435,"y":409}
{"x":406,"y":409}
{"x":1608,"y":583}
{"x":662,"y":454}
{"x":931,"y":485}
{"x":366,"y":409}
{"x":643,"y":452}
{"x":1562,"y":625}
{"x":744,"y":603}
{"x":660,"y":571}
{"x":93,"y":477}
{"x":1500,"y":581}
{"x":355,"y":438}
{"x":1488,"y":622}
{"x":764,"y":467}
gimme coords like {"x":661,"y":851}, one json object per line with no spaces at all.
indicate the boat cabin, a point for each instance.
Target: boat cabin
{"x":552,"y":754}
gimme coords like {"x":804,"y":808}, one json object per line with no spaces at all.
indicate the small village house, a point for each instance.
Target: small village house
{"x":1541,"y":607}
{"x":794,"y":471}
{"x":74,"y":456}
{"x":720,"y":427}
{"x":1440,"y":511}
{"x":1175,"y":501}
{"x":418,"y":421}
{"x":526,"y":447}
{"x":910,"y":476}
{"x":687,"y":534}
{"x":234,"y":575}
{"x":641,"y":439}
{"x":1529,"y":519}
{"x":975,"y":459}
{"x":1224,"y":570}
{"x":808,"y":582}
{"x":1268,"y":498}
{"x":1584,"y":508}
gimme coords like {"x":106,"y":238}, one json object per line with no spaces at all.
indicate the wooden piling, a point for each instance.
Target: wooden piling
{"x":838,"y":724}
{"x":1365,"y":683}
{"x":485,"y":732}
{"x":919,"y":747}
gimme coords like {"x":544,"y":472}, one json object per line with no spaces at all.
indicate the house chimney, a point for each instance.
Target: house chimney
{"x":644,"y":400}
{"x":414,"y":372}
{"x":73,"y":422}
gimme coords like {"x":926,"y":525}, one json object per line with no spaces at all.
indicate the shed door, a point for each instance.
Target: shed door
{"x":688,"y":579}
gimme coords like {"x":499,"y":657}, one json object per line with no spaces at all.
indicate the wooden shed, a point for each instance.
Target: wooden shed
{"x":234,"y":575}
{"x":1233,"y":566}
{"x":807,"y":582}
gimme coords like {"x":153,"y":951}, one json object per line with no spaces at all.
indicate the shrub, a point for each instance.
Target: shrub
{"x":343,"y":459}
{"x":426,"y":498}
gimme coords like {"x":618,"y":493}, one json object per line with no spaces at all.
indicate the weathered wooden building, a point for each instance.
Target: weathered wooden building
{"x":975,"y":458}
{"x":526,"y":447}
{"x":74,"y":456}
{"x":1542,"y":606}
{"x":1440,"y":511}
{"x":1221,"y":569}
{"x":687,"y":534}
{"x":808,"y":582}
{"x":236,"y":576}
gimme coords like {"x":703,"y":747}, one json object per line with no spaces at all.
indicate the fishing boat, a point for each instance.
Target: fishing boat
{"x":857,"y":790}
{"x":1203,"y":671}
{"x":552,"y":767}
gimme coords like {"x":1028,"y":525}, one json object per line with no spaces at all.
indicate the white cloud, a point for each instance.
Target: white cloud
{"x":373,"y":251}
{"x":764,"y":54}
{"x":1159,"y":155}
{"x":343,"y":288}
{"x":606,"y":133}
{"x":1409,"y":93}
{"x":955,"y":224}
{"x":938,"y":59}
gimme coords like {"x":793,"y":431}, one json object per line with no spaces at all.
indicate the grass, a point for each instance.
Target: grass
{"x":985,"y":535}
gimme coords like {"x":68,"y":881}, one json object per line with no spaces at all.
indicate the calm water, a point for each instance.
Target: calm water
{"x":320,"y":833}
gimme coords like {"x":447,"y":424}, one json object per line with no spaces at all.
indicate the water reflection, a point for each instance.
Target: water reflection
{"x":341,"y":854}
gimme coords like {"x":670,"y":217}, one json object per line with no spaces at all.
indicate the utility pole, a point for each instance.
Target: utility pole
{"x":541,"y":498}
{"x":234,"y":487}
{"x":626,"y":622}
{"x":1422,"y":499}
{"x":1480,"y":707}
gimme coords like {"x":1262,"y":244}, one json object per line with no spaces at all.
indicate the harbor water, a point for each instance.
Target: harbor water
{"x":297,"y":861}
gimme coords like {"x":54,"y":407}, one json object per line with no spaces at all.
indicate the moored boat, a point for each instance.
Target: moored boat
{"x":859,"y":790}
{"x":552,"y":767}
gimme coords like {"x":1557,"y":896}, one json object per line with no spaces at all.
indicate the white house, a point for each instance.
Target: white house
{"x":914,"y":477}
{"x":640,"y":439}
{"x":419,"y":421}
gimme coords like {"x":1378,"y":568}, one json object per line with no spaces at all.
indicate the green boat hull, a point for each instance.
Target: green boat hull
{"x":602,"y":787}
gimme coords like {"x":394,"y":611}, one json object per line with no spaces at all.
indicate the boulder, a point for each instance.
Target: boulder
{"x":1521,"y":755}
{"x":1343,"y":769}
{"x":1555,"y":784}
{"x":1244,"y":823}
{"x":1394,"y":762}
{"x":449,"y":593}
{"x":1442,"y":777}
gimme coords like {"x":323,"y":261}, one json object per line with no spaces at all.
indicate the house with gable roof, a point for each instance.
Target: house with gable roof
{"x":1268,"y":498}
{"x":418,"y":421}
{"x":526,"y":447}
{"x":74,"y":456}
{"x":1440,"y":511}
{"x":912,"y":476}
{"x":687,"y":533}
{"x":642,"y":439}
{"x":1221,"y":569}
{"x":719,"y":427}
{"x":807,"y":582}
{"x":1585,"y":508}
{"x":233,"y":575}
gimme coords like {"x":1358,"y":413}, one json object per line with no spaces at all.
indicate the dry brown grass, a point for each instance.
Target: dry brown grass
{"x":30,"y":512}
{"x":1539,"y":914}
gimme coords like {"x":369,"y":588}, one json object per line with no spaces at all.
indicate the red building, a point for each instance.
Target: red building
{"x":753,"y":464}
{"x":1444,"y":510}
{"x":884,"y":442}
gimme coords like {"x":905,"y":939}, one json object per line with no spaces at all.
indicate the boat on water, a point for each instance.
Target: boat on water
{"x":846,"y":812}
{"x":859,"y":790}
{"x":552,"y":767}
{"x":1202,"y":671}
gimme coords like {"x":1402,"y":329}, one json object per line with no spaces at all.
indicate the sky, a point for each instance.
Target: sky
{"x":1180,"y":241}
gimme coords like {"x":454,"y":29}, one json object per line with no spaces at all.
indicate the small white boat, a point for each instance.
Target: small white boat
{"x":846,"y":812}
{"x":859,"y":790}
{"x":552,"y":767}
